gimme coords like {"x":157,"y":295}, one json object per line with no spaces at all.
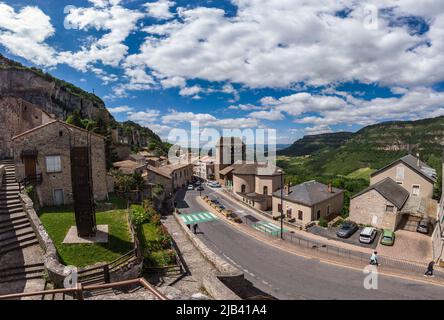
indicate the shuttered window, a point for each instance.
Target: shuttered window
{"x":53,"y":164}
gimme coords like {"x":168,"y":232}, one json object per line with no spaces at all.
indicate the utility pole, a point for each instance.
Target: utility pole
{"x":282,"y":202}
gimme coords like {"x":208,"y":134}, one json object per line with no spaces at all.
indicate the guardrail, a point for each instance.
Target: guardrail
{"x":78,"y":292}
{"x":30,"y":180}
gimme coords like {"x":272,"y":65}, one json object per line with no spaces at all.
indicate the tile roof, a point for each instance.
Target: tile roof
{"x":309,"y":193}
{"x":390,"y":190}
{"x":127,"y":166}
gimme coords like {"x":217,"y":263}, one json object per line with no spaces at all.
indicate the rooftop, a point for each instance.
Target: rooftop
{"x":415,"y":164}
{"x":127,"y":166}
{"x":390,"y":190}
{"x":169,"y":169}
{"x":309,"y":193}
{"x":259,"y":169}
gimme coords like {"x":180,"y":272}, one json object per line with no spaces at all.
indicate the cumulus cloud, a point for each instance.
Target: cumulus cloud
{"x":147,"y":116}
{"x":268,"y":115}
{"x":121,"y":109}
{"x":24,"y":33}
{"x":160,"y":9}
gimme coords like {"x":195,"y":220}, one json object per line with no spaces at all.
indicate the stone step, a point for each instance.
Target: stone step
{"x":11,"y":205}
{"x":18,"y":245}
{"x":5,"y":203}
{"x":14,"y":219}
{"x":22,"y":273}
{"x":8,"y":197}
{"x":15,"y":225}
{"x":9,"y":211}
{"x":16,"y":236}
{"x":4,"y":219}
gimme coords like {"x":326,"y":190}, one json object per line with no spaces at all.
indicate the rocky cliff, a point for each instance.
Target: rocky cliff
{"x":53,"y":95}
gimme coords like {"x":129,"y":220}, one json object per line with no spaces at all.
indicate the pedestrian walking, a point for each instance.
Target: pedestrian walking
{"x":429,"y":272}
{"x":195,"y":228}
{"x":374,"y":258}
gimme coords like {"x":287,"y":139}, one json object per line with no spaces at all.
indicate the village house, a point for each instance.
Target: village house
{"x":204,"y":168}
{"x":170,"y":177}
{"x":399,"y":196}
{"x":438,"y":232}
{"x":307,"y":202}
{"x":43,"y":154}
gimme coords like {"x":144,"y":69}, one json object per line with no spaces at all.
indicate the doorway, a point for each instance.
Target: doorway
{"x":58,"y":197}
{"x":30,"y":167}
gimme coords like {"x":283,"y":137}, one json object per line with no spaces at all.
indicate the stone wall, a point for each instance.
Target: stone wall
{"x":212,"y":283}
{"x":56,"y":139}
{"x":370,"y":209}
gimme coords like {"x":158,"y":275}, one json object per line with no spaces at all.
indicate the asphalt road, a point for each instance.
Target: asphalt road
{"x":288,"y":276}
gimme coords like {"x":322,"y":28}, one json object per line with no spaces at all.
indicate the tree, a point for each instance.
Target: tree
{"x":75,"y":120}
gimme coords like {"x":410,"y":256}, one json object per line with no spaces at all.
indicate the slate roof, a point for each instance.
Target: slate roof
{"x":390,"y":190}
{"x":423,"y":168}
{"x":309,"y":193}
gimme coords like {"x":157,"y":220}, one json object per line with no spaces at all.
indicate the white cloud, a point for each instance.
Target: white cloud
{"x":267,"y":115}
{"x":318,"y":130}
{"x":24,"y":34}
{"x":147,"y":116}
{"x":121,"y":109}
{"x":160,"y":9}
{"x":177,"y":116}
{"x":190,"y":91}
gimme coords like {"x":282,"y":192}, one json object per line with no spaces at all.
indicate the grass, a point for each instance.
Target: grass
{"x":157,"y":252}
{"x":362,"y":173}
{"x":58,"y":220}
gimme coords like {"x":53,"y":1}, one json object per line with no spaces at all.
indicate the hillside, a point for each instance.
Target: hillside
{"x":312,"y":143}
{"x":66,"y":101}
{"x":368,"y":149}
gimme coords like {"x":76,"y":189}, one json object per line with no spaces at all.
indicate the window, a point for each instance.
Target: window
{"x":265,"y":190}
{"x":289,"y":215}
{"x":400,"y":173}
{"x":300,"y":215}
{"x":243,"y":188}
{"x":399,"y":182}
{"x":328,"y":210}
{"x":279,"y":207}
{"x":389,"y":208}
{"x":53,"y":164}
{"x":318,"y":215}
{"x":58,"y":197}
{"x":415,"y":190}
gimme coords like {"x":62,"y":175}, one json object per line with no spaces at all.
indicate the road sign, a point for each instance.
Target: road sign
{"x":198,"y":217}
{"x":268,"y":228}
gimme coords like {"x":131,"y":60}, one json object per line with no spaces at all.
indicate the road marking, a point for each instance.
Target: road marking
{"x":198,"y":217}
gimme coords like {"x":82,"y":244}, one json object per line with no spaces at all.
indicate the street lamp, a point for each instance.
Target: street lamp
{"x":282,"y":202}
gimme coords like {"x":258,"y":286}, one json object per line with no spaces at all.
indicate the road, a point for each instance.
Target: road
{"x":288,"y":276}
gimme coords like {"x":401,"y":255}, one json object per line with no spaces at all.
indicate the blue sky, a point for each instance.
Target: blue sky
{"x":295,"y":66}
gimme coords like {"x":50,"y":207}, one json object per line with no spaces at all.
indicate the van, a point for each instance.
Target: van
{"x":367,"y":235}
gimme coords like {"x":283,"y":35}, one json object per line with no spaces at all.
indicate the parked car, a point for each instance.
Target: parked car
{"x":200,"y":188}
{"x":221,"y":206}
{"x":388,"y":237}
{"x":347,"y":229}
{"x":190,"y":187}
{"x":197,"y":183}
{"x":215,"y":185}
{"x":423,"y":226}
{"x":215,"y":201}
{"x":367,"y":235}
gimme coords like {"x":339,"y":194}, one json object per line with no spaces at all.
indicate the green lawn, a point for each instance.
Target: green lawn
{"x":362,"y":173}
{"x":157,"y":252}
{"x":58,"y":220}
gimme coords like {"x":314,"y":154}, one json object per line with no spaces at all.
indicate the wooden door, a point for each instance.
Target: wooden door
{"x":30,"y":167}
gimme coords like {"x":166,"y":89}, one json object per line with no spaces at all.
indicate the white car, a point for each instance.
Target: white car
{"x":190,"y":187}
{"x":367,"y":235}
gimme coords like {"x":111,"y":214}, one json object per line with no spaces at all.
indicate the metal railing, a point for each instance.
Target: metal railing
{"x":30,"y":180}
{"x":78,"y":292}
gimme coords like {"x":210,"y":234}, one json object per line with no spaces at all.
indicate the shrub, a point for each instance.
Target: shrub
{"x":138,"y":215}
{"x":322,"y":222}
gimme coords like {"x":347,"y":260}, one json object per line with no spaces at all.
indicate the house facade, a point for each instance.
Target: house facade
{"x":204,"y":168}
{"x":379,"y":205}
{"x":307,"y":202}
{"x":171,"y":177}
{"x":409,"y":172}
{"x":45,"y":151}
{"x":229,"y":150}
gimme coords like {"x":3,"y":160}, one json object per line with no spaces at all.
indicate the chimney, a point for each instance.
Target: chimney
{"x":287,"y":189}
{"x":330,"y":188}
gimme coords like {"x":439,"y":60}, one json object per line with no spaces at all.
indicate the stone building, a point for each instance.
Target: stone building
{"x":229,"y":150}
{"x":379,"y":205}
{"x":16,"y":117}
{"x":308,"y":202}
{"x":171,"y":177}
{"x":407,"y":179}
{"x":45,"y":151}
{"x":204,"y":168}
{"x":409,"y":172}
{"x":252,"y":183}
{"x":129,"y":167}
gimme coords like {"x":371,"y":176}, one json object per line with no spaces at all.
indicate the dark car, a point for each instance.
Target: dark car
{"x":423,"y":226}
{"x":347,"y":229}
{"x":200,"y":188}
{"x":215,"y":201}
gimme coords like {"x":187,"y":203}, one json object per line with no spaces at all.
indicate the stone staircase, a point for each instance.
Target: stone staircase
{"x":21,"y":262}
